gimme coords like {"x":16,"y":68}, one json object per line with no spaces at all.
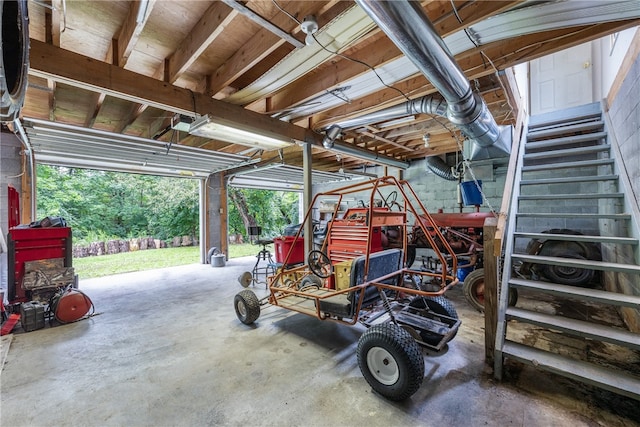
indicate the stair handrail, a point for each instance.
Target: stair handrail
{"x":511,"y":198}
{"x":519,"y":135}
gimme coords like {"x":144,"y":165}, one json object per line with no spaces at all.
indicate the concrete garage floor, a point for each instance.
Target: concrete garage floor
{"x":167,"y":350}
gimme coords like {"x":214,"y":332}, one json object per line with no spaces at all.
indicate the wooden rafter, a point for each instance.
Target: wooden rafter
{"x":133,"y":25}
{"x":214,"y":21}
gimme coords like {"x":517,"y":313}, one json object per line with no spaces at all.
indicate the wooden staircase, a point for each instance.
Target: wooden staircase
{"x":570,"y":223}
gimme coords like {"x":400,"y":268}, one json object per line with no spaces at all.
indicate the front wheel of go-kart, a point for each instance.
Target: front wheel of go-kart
{"x":247,"y":306}
{"x":391,"y":361}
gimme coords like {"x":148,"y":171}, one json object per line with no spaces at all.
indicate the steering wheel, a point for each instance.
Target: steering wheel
{"x":319,"y":264}
{"x":391,"y":199}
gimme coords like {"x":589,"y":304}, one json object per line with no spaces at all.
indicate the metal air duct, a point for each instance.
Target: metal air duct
{"x":406,"y":24}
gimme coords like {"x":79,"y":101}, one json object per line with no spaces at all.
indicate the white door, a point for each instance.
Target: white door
{"x":561,"y":80}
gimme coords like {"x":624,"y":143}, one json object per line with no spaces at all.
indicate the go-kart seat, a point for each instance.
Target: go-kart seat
{"x":380,"y":264}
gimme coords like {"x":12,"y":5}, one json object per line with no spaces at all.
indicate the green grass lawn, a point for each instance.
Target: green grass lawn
{"x":106,"y":265}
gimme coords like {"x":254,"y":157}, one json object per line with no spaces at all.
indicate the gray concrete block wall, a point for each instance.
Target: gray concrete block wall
{"x":625,"y":117}
{"x":624,"y":113}
{"x":438,"y":193}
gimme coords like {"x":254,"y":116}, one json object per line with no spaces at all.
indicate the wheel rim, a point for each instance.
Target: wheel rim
{"x":242,"y":309}
{"x":383,"y":366}
{"x":479,"y":292}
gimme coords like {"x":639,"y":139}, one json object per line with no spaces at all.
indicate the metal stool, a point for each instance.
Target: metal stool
{"x":263,"y":256}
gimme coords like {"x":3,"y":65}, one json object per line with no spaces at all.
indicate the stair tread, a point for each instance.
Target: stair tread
{"x":573,"y":127}
{"x":592,"y":111}
{"x":568,"y":179}
{"x":571,"y":196}
{"x":578,"y":238}
{"x":567,"y":152}
{"x":568,"y":291}
{"x":573,"y":139}
{"x":573,"y":215}
{"x":572,"y":262}
{"x":566,"y":165}
{"x":577,"y":327}
{"x":617,"y":381}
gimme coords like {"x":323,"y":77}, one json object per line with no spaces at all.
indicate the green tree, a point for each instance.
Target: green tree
{"x":103,"y":205}
{"x":271,"y":210}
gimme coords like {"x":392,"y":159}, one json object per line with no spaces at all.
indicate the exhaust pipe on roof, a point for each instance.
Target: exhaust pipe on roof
{"x":406,"y":24}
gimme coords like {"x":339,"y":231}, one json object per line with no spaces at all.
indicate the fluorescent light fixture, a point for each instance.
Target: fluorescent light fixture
{"x":203,"y":126}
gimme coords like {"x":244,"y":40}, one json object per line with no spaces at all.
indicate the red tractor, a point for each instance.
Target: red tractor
{"x":464,"y":234}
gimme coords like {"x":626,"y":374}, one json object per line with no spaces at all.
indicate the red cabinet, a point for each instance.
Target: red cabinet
{"x":34,"y":244}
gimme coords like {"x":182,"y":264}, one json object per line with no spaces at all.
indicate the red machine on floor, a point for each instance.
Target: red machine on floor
{"x":39,"y":269}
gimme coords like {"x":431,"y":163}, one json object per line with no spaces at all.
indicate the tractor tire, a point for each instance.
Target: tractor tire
{"x":438,"y":305}
{"x":247,"y":306}
{"x":566,"y":249}
{"x":391,"y":361}
{"x":568,"y":275}
{"x":14,"y":63}
{"x":473,"y":290}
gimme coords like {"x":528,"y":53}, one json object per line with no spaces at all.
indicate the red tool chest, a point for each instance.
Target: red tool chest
{"x":33,"y":244}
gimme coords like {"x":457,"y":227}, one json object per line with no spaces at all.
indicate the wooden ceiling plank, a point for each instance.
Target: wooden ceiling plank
{"x":133,"y":25}
{"x":264,"y":23}
{"x":385,"y":140}
{"x":135,"y":112}
{"x":99,"y":100}
{"x":261,"y":45}
{"x":471,"y":12}
{"x":213,"y":23}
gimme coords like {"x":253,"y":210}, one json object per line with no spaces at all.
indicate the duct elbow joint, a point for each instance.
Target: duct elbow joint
{"x":330,"y":136}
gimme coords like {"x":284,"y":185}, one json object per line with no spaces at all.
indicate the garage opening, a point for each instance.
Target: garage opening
{"x":118,"y":218}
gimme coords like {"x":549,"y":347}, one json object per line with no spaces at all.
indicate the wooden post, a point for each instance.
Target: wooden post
{"x":490,"y":288}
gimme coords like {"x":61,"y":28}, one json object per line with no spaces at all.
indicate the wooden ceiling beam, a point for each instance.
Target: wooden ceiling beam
{"x":139,"y":11}
{"x":80,"y":71}
{"x":99,"y":100}
{"x":215,"y":20}
{"x":52,"y":36}
{"x":52,"y":22}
